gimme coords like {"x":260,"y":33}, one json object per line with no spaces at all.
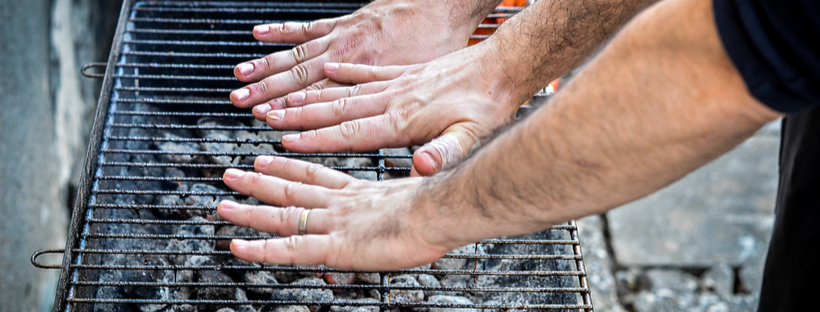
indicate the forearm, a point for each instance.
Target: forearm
{"x":658,"y":102}
{"x":552,"y":37}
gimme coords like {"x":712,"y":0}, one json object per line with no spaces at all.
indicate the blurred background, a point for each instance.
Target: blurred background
{"x":698,"y":245}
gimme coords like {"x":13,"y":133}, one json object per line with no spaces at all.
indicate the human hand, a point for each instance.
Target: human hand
{"x":387,"y":32}
{"x":353,"y":224}
{"x":455,"y":99}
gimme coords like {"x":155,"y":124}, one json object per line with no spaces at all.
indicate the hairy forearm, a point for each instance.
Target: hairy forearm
{"x":659,"y":101}
{"x":552,"y":37}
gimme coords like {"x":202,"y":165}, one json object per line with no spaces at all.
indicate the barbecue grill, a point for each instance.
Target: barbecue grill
{"x":144,"y":235}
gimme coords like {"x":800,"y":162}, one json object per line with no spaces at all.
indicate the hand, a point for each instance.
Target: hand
{"x":387,"y":32}
{"x":353,"y":224}
{"x":457,"y":98}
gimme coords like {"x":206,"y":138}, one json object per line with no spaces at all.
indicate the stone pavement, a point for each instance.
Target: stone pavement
{"x":697,"y":245}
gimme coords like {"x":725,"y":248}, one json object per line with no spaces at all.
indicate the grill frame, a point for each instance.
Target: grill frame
{"x":83,"y":218}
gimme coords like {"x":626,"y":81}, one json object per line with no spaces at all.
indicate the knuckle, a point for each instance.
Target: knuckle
{"x":338,"y":106}
{"x":309,"y":135}
{"x":267,"y":62}
{"x":299,"y":74}
{"x":299,"y":53}
{"x":262,"y":86}
{"x":312,"y":171}
{"x":354,"y":91}
{"x":293,"y":244}
{"x":308,"y":27}
{"x":348,"y":129}
{"x":283,"y":215}
{"x":291,"y":189}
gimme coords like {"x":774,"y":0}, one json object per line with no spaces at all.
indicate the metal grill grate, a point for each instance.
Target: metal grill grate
{"x":143,"y":235}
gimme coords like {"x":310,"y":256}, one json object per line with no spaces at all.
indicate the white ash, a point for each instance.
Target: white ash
{"x":177,"y":147}
{"x":305,"y":294}
{"x":405,"y":296}
{"x":259,"y":277}
{"x":357,"y":308}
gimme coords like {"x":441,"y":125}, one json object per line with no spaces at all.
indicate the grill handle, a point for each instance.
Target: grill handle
{"x":92,"y":75}
{"x":46,"y":266}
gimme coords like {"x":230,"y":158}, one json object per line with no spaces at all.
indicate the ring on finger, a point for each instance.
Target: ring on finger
{"x":303,"y":221}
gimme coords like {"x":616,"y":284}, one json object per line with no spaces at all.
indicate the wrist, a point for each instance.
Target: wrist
{"x":506,"y":76}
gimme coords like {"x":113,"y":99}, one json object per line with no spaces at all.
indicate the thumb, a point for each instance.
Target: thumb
{"x":443,"y":152}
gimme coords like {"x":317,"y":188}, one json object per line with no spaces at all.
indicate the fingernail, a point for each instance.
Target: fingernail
{"x":239,"y":243}
{"x":262,"y":109}
{"x":297,"y":98}
{"x":432,"y":160}
{"x":241,"y":94}
{"x":276,"y":115}
{"x":263,"y":161}
{"x":291,"y":137}
{"x":245,"y":68}
{"x":331,"y":67}
{"x":233,"y":174}
{"x":227,"y":205}
{"x":261,"y":29}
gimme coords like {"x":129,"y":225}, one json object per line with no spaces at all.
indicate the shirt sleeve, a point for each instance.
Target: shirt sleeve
{"x":775,"y":45}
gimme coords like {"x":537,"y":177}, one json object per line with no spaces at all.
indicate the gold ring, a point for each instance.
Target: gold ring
{"x":303,"y":222}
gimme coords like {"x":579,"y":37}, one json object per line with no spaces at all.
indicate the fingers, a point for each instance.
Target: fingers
{"x":279,"y":62}
{"x":276,"y":191}
{"x":297,"y":249}
{"x":443,"y":152}
{"x":302,"y":171}
{"x":294,"y":32}
{"x":305,"y":97}
{"x":327,"y":114}
{"x":357,"y":135}
{"x":296,"y":78}
{"x":281,"y":221}
{"x":357,"y":73}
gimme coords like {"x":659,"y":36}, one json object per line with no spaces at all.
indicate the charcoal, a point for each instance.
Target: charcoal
{"x":370,"y":278}
{"x":176,"y":147}
{"x":305,"y":294}
{"x":448,"y":300}
{"x":357,"y":308}
{"x":428,"y":280}
{"x":338,"y":278}
{"x":180,"y":308}
{"x":211,"y":276}
{"x":234,"y":148}
{"x":405,"y":296}
{"x":458,"y":264}
{"x":285,"y":309}
{"x":259,"y":277}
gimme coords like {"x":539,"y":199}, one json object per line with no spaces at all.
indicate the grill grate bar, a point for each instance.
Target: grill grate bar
{"x":178,"y":77}
{"x":335,"y":287}
{"x":176,"y":102}
{"x":194,"y":54}
{"x":210,"y":43}
{"x":228,"y":253}
{"x":174,"y":65}
{"x":154,"y":89}
{"x":192,"y":127}
{"x":333,"y":303}
{"x":251,"y":154}
{"x":221,"y":267}
{"x":186,"y":114}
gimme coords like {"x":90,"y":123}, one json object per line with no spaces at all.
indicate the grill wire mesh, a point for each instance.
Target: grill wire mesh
{"x":144,"y":236}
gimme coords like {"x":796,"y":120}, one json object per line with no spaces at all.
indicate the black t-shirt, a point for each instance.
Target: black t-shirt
{"x":775,"y":45}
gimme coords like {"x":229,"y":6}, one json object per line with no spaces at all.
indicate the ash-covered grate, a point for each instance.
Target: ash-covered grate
{"x":144,"y":236}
